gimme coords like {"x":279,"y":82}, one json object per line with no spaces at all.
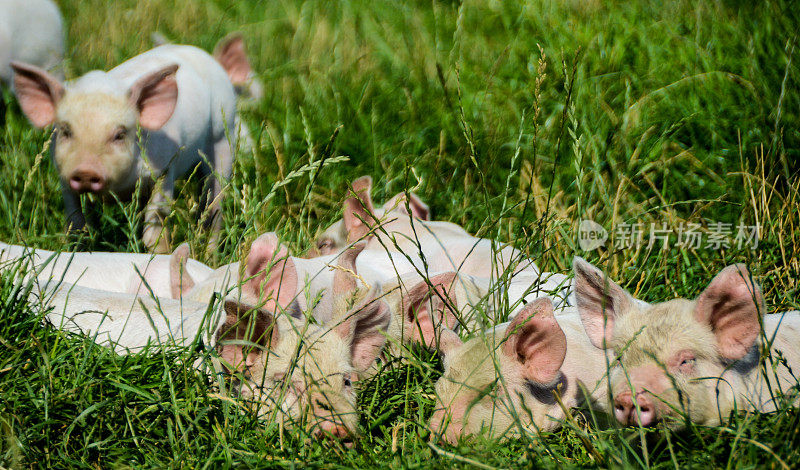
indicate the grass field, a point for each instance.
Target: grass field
{"x":516,"y":120}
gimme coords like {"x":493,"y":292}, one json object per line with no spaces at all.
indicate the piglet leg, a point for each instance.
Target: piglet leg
{"x":155,"y":235}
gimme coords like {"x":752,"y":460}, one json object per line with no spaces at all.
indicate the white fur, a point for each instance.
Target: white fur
{"x":31,"y":31}
{"x":135,"y":273}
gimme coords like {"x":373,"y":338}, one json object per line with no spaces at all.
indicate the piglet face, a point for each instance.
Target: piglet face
{"x":506,"y":377}
{"x":671,"y":355}
{"x":300,"y":373}
{"x":666,"y":364}
{"x":95,"y":143}
{"x":96,"y":120}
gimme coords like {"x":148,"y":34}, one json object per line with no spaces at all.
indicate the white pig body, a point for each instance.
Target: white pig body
{"x":31,"y":31}
{"x":125,"y":322}
{"x":136,"y":273}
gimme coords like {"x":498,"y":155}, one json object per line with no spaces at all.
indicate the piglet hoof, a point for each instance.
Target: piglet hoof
{"x":156,"y":239}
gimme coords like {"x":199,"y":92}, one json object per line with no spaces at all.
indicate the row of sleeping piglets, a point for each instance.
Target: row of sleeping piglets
{"x":696,"y":360}
{"x":140,"y":126}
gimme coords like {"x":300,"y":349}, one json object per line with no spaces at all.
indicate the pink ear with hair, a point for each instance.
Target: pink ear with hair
{"x":180,"y":280}
{"x":358,"y":209}
{"x":365,"y":326}
{"x":428,"y":313}
{"x":536,"y":342}
{"x":155,"y":96}
{"x":418,"y":208}
{"x":600,"y":301}
{"x":731,"y":305}
{"x":271,"y":273}
{"x":231,"y":53}
{"x":38,"y":93}
{"x":245,"y":333}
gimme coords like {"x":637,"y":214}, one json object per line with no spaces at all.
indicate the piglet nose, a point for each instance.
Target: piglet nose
{"x":86,"y":180}
{"x":626,"y":413}
{"x":331,"y":429}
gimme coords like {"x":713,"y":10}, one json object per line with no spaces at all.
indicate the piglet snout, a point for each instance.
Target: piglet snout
{"x":626,"y":413}
{"x":332,"y":430}
{"x":86,"y":181}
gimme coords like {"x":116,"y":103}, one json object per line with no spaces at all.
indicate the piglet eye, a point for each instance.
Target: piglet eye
{"x":686,"y":364}
{"x":64,"y":131}
{"x":120,"y":135}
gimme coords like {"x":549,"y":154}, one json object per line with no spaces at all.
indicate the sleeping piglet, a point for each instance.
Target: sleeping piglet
{"x":132,"y":273}
{"x":150,"y":120}
{"x":696,"y":360}
{"x":511,"y":379}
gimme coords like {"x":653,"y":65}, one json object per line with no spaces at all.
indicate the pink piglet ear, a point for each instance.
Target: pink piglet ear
{"x":731,"y":305}
{"x":600,"y":302}
{"x":155,"y":95}
{"x":419,"y":209}
{"x":270,"y":272}
{"x":416,"y":206}
{"x":428,"y":318}
{"x":536,"y":342}
{"x":180,"y":280}
{"x":365,"y":326}
{"x":247,"y":331}
{"x":358,"y":209}
{"x":38,"y":93}
{"x":231,"y":53}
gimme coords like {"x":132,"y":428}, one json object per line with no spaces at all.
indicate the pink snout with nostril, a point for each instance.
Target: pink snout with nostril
{"x":331,"y":429}
{"x":86,"y":181}
{"x":626,"y":413}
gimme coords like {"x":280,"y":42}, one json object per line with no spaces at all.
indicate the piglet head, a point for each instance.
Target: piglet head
{"x":670,"y":353}
{"x":96,"y":121}
{"x":511,"y":370}
{"x":303,"y":374}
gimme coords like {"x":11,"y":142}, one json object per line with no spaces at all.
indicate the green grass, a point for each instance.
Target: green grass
{"x":514,"y":121}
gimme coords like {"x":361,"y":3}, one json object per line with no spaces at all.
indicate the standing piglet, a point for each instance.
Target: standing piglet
{"x":691,"y":360}
{"x":31,"y":31}
{"x":178,"y":96}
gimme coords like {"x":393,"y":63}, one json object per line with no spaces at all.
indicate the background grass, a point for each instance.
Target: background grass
{"x":514,"y":120}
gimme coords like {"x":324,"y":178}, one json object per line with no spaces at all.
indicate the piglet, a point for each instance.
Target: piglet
{"x":343,"y":231}
{"x":150,"y":120}
{"x":133,"y":273}
{"x":516,"y":378}
{"x":444,"y":246}
{"x":308,"y":370}
{"x":691,"y":360}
